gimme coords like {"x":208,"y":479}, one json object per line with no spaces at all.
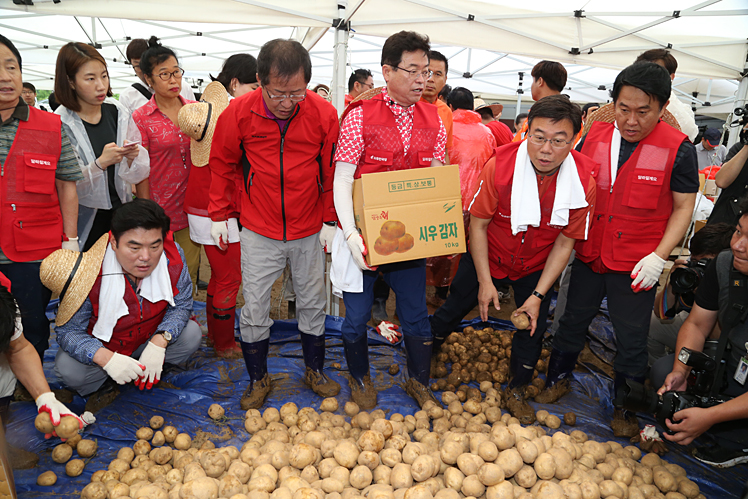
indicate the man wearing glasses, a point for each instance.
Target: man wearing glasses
{"x":391,"y":131}
{"x":533,"y":203}
{"x":647,"y":183}
{"x":360,"y":81}
{"x":280,"y":141}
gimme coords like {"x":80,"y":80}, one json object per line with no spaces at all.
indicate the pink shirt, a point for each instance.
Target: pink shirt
{"x":169,"y":150}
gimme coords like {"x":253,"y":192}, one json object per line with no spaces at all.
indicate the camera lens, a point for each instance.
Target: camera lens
{"x":684,"y":280}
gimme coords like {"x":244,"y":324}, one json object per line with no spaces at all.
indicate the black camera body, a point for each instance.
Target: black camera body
{"x":741,"y":115}
{"x":686,"y":279}
{"x":636,"y":397}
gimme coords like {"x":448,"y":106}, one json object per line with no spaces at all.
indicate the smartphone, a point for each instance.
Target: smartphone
{"x":133,"y":143}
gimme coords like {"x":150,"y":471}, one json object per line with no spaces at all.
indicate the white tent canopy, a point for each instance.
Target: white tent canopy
{"x":488,"y":43}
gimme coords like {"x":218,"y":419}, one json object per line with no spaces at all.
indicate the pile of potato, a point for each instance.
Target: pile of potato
{"x":470,"y":449}
{"x":480,"y":355}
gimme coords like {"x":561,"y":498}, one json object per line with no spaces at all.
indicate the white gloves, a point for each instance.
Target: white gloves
{"x":358,"y":250}
{"x":326,"y":236}
{"x":47,"y":402}
{"x":647,"y":272}
{"x":390,"y":332}
{"x":219,"y":231}
{"x":71,"y":244}
{"x":153,"y":360}
{"x":123,"y":369}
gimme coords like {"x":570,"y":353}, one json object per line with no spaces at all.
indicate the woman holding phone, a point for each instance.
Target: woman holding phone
{"x":97,"y":126}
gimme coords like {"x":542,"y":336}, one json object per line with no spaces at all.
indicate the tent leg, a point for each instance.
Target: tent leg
{"x":519,"y":95}
{"x":340,"y":57}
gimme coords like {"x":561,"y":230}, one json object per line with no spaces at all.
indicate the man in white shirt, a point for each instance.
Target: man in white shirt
{"x":709,"y":151}
{"x":139,"y":93}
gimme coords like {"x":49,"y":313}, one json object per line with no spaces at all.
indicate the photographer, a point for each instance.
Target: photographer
{"x":673,"y":303}
{"x":732,"y":178}
{"x":720,"y":288}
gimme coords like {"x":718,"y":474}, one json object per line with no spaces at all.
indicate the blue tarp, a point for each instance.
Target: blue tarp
{"x":183,"y":398}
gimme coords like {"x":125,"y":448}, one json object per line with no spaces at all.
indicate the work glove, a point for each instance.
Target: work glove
{"x":47,"y":402}
{"x":219,"y":231}
{"x":326,"y":236}
{"x":123,"y":368}
{"x":647,"y":272}
{"x":390,"y":332}
{"x":358,"y":250}
{"x":153,"y":360}
{"x":71,"y":244}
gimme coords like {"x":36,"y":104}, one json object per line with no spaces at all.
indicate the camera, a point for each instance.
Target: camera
{"x":741,"y":113}
{"x":636,"y":397}
{"x":687,"y":279}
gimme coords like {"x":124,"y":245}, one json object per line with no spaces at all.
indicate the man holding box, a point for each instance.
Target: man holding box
{"x":392,"y":131}
{"x":533,"y":202}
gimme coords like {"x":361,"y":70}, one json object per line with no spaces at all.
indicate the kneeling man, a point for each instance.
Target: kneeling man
{"x":533,"y":202}
{"x":125,"y":304}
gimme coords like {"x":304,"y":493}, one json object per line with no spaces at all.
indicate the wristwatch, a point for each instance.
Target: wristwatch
{"x":539,"y":295}
{"x":167,"y":336}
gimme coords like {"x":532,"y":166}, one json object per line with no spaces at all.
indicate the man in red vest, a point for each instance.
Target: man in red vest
{"x":125,"y":305}
{"x":38,"y":198}
{"x":394,"y":130}
{"x":533,"y":202}
{"x":647,"y":184}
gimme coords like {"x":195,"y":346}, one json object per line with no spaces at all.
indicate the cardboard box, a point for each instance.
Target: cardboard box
{"x":410,"y":214}
{"x":711,"y":188}
{"x":698,"y":225}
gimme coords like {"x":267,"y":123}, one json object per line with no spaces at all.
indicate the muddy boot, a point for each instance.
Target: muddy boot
{"x":357,"y":358}
{"x":291,"y":309}
{"x":418,"y":351}
{"x":557,"y":383}
{"x":314,"y":359}
{"x":625,"y":423}
{"x":102,"y":397}
{"x":256,"y":360}
{"x":19,"y":459}
{"x":221,"y":329}
{"x":209,"y":311}
{"x":516,"y":404}
{"x":379,"y":310}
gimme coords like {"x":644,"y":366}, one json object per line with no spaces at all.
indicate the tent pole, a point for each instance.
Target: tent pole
{"x":519,"y":95}
{"x":340,"y":58}
{"x":741,"y":100}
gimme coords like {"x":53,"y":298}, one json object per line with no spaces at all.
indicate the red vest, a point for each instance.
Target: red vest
{"x":631,"y":216}
{"x":521,"y":255}
{"x":140,"y":323}
{"x":383,"y":147}
{"x":30,"y":217}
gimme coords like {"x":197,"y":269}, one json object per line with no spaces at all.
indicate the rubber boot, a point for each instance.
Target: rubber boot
{"x":557,"y":379}
{"x":19,"y":459}
{"x":256,"y":360}
{"x":515,"y":396}
{"x":357,"y":357}
{"x":418,"y":351}
{"x":379,"y":310}
{"x":625,"y":423}
{"x":221,"y":329}
{"x":314,"y":360}
{"x":209,"y":312}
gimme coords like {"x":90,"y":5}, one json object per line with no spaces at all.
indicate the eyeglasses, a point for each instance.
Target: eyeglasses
{"x":366,"y":85}
{"x":281,"y":98}
{"x":166,"y":76}
{"x":27,"y":92}
{"x":414,"y":74}
{"x":539,"y":140}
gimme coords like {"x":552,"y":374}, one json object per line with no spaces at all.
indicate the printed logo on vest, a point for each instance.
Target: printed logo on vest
{"x":40,"y":162}
{"x":648,"y":178}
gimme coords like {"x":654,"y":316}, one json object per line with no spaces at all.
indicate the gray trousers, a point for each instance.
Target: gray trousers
{"x":87,"y":379}
{"x":663,"y":336}
{"x":263,"y":261}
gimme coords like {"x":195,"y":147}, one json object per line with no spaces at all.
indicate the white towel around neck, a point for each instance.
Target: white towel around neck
{"x":615,"y":151}
{"x":112,"y":306}
{"x":345,"y":275}
{"x":525,"y":202}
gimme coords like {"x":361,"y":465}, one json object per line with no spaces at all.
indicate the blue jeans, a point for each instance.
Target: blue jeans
{"x":408,"y":280}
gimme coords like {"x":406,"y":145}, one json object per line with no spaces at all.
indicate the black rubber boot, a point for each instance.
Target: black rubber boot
{"x":379,"y":311}
{"x":625,"y":423}
{"x":418,"y":351}
{"x":560,"y":366}
{"x":256,"y":360}
{"x":314,"y":359}
{"x":521,"y":374}
{"x":357,"y":358}
{"x":515,"y":394}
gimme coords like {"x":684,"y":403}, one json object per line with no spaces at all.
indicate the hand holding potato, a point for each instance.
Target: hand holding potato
{"x":48,"y":403}
{"x":531,"y":307}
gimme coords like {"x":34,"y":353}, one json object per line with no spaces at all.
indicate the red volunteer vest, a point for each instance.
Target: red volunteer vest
{"x":30,"y":217}
{"x":631,"y":216}
{"x":521,"y":255}
{"x":383,"y":147}
{"x":139,"y":324}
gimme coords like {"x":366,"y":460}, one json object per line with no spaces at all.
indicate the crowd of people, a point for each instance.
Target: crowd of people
{"x":108,"y":203}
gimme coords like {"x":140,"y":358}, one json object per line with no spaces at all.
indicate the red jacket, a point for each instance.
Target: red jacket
{"x":139,"y":324}
{"x":501,"y":132}
{"x":287,"y":177}
{"x":383,"y":147}
{"x":517,"y":256}
{"x":30,"y":217}
{"x":631,"y":216}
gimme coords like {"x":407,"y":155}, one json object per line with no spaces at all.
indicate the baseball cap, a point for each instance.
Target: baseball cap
{"x":712,"y":136}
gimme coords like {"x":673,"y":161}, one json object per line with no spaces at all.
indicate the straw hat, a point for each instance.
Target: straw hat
{"x":496,"y":109}
{"x":72,"y":275}
{"x":198,"y":120}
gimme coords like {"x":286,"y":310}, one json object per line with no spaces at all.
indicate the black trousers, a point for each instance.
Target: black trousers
{"x":463,"y":297}
{"x":32,"y":298}
{"x":629,"y":312}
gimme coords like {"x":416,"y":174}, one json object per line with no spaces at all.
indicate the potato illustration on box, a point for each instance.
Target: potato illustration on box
{"x":393,"y":238}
